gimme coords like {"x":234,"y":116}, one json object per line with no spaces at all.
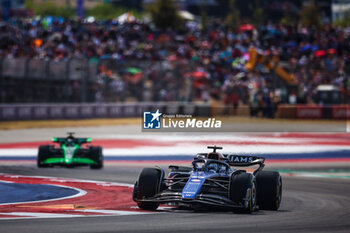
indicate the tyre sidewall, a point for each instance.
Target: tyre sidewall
{"x":269,"y":190}
{"x":43,"y":154}
{"x":240,"y":184}
{"x":148,"y":186}
{"x":96,"y":156}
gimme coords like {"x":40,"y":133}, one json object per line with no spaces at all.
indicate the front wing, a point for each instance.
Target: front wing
{"x":75,"y":161}
{"x":209,"y":200}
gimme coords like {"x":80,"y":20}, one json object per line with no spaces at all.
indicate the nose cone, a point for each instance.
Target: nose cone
{"x":192,"y":188}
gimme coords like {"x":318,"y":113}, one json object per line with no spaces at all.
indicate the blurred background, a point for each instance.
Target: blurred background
{"x":267,"y":58}
{"x":94,"y":67}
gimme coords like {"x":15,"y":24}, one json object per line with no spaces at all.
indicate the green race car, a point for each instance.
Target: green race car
{"x":70,"y":153}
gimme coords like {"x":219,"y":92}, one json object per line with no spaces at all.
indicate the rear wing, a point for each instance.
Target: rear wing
{"x":76,"y":140}
{"x":245,"y":161}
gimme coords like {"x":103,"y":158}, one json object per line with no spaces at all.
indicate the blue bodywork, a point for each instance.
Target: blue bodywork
{"x":199,"y":176}
{"x":195,"y":182}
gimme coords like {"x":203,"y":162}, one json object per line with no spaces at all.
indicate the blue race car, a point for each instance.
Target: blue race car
{"x":212,"y":181}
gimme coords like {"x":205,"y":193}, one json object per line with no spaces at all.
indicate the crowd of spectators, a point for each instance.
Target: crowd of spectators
{"x":213,"y":60}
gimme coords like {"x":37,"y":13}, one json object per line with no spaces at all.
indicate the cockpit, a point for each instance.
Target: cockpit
{"x":213,"y":166}
{"x":70,"y":142}
{"x":211,"y":162}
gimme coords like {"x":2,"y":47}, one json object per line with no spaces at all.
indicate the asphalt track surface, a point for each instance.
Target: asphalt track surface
{"x":308,"y":205}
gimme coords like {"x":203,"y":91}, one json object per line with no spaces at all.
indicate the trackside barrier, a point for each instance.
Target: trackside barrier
{"x":341,"y":112}
{"x":309,"y":112}
{"x":13,"y":112}
{"x":336,"y":112}
{"x":286,"y":111}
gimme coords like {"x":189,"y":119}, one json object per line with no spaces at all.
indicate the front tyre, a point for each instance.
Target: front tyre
{"x":269,"y":190}
{"x":147,"y":186}
{"x":43,"y":154}
{"x":243,"y":191}
{"x":97,"y":157}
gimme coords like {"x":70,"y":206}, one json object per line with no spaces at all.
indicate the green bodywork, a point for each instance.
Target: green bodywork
{"x":68,"y":154}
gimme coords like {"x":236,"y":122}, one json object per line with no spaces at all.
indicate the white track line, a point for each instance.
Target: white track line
{"x":39,"y":215}
{"x":5,"y":181}
{"x":114,"y":212}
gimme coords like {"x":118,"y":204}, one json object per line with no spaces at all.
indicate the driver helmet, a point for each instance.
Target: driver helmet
{"x":212,"y":167}
{"x":70,"y":142}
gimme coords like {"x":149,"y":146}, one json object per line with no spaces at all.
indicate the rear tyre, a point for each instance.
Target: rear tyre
{"x":43,"y":154}
{"x":147,"y":186}
{"x":269,"y":190}
{"x":243,"y":191}
{"x":97,"y":157}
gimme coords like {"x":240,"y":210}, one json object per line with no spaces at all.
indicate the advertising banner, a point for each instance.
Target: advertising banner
{"x":341,"y":112}
{"x":309,"y":112}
